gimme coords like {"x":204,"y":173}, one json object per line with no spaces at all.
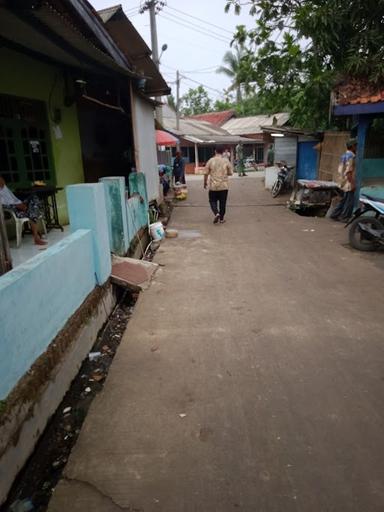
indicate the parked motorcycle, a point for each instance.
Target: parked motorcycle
{"x":283,"y":181}
{"x":366,"y":231}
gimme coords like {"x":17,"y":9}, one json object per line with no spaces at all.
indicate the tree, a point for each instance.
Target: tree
{"x":299,"y":49}
{"x":171,"y":102}
{"x":195,"y":101}
{"x":232,"y":67}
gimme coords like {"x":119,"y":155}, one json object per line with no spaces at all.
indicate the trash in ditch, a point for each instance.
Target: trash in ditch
{"x":92,"y":356}
{"x":25,"y":505}
{"x":182,"y":415}
{"x":97,"y":377}
{"x":87,"y":390}
{"x":59,"y":462}
{"x":67,"y":410}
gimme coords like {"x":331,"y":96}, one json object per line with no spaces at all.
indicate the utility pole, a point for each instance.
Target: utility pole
{"x":178,"y":106}
{"x":154,"y":7}
{"x":152,"y":19}
{"x":177,"y":100}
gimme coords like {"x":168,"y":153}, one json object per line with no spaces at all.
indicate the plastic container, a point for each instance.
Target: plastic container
{"x":157,"y":231}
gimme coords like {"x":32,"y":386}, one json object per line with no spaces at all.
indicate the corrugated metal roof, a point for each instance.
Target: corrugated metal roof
{"x":134,"y":48}
{"x":198,"y":131}
{"x":107,"y":13}
{"x":70,"y":46}
{"x":253,"y":124}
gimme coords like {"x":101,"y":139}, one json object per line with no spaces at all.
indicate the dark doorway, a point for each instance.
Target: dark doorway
{"x":106,"y":136}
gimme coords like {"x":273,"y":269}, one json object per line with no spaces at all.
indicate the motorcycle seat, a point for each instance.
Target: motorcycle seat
{"x":373,"y":198}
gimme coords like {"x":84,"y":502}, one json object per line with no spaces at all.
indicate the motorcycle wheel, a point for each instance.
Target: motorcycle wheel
{"x":276,"y":189}
{"x":356,"y":237}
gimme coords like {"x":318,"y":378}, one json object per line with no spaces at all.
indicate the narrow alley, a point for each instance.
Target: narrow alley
{"x":251,"y":376}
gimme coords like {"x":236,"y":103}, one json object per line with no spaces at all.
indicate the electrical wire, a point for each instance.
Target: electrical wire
{"x":207,"y":34}
{"x":200,"y":83}
{"x":198,"y":30}
{"x":198,"y":27}
{"x":199,"y":19}
{"x":202,"y":70}
{"x":206,"y":48}
{"x":191,"y":79}
{"x":132,"y":9}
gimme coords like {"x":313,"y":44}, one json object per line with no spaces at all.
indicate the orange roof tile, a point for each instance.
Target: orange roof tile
{"x":216,"y":118}
{"x":355,"y":91}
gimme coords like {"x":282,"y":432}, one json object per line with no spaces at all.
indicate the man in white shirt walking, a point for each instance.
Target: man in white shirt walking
{"x":216,"y":174}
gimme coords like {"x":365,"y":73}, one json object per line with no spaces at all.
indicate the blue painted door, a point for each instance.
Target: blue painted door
{"x":306,"y":161}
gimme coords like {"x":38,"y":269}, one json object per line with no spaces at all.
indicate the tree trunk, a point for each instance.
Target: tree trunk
{"x":239,"y":97}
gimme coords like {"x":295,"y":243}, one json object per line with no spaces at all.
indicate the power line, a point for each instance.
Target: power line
{"x":199,"y":19}
{"x":191,"y":24}
{"x":209,"y":68}
{"x":206,"y":48}
{"x":207,"y":34}
{"x":132,"y":9}
{"x":191,"y":79}
{"x":200,"y":83}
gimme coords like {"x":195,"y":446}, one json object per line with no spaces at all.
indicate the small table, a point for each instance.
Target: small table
{"x":47,"y":195}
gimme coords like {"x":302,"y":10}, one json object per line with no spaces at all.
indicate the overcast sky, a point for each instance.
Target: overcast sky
{"x":196,"y":54}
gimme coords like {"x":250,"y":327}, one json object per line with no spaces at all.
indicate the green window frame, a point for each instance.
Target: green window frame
{"x":25,"y":144}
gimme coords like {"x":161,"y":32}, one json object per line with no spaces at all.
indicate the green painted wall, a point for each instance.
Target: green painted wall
{"x":29,"y":78}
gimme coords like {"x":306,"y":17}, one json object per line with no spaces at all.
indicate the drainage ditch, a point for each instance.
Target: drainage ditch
{"x":34,"y":485}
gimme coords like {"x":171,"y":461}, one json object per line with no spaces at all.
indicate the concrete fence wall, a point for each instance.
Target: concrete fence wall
{"x":38,"y":297}
{"x":126,"y":216}
{"x":35,"y":303}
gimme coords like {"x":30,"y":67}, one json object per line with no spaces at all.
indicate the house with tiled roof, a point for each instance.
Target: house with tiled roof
{"x":215,"y":118}
{"x":198,"y":138}
{"x":363,"y":101}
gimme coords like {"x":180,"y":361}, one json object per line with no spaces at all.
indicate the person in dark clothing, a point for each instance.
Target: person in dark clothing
{"x":179,"y":168}
{"x":346,"y":181}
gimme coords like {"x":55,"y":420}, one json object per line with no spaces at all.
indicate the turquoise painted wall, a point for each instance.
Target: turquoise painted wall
{"x":373,"y":168}
{"x":137,"y":204}
{"x":37,"y":298}
{"x":29,"y":78}
{"x":87,"y":210}
{"x":114,"y":189}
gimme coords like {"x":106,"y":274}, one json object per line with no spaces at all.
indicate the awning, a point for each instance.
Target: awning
{"x":221,"y":139}
{"x":165,"y":139}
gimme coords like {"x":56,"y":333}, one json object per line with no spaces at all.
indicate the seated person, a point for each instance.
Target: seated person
{"x":30,"y":208}
{"x":164,"y":179}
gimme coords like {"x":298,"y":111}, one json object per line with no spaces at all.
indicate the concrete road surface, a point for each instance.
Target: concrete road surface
{"x":250,"y":378}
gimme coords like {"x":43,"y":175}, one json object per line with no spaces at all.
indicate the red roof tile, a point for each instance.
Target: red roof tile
{"x":357,"y":91}
{"x":216,"y":118}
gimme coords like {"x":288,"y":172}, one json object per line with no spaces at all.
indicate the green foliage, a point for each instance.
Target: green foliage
{"x":195,"y":101}
{"x":299,"y":49}
{"x":221,"y":105}
{"x":233,"y":68}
